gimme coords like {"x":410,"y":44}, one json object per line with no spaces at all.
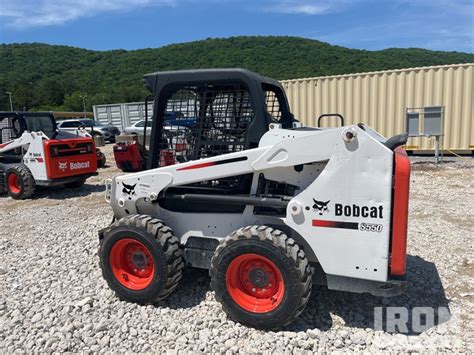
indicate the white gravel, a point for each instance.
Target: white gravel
{"x":53,"y":297}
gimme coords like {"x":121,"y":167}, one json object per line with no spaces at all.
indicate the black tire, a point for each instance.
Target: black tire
{"x":20,"y":182}
{"x":161,"y":245}
{"x":285,"y":254}
{"x":101,"y":162}
{"x":101,"y":159}
{"x":3,"y":184}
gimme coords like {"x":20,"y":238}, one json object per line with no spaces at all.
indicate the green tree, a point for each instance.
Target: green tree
{"x":47,"y":76}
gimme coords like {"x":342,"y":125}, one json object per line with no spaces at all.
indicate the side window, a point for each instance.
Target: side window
{"x":140,"y":124}
{"x":40,"y":123}
{"x":272,"y":103}
{"x":9,"y":129}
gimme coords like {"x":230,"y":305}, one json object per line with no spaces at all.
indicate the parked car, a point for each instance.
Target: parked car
{"x":94,"y":128}
{"x":138,"y":128}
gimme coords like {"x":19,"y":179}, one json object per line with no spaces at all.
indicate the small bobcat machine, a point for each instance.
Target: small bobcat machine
{"x":33,"y":153}
{"x":267,"y":205}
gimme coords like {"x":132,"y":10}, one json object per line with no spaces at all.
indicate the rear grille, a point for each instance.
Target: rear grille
{"x":64,"y":150}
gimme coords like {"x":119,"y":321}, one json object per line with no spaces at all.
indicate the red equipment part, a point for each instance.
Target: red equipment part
{"x":132,"y":264}
{"x":255,"y":283}
{"x":70,"y":157}
{"x":14,"y":183}
{"x":128,"y":156}
{"x":167,"y":157}
{"x":400,"y":213}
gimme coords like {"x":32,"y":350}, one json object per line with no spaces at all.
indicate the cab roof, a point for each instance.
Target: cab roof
{"x":156,"y":81}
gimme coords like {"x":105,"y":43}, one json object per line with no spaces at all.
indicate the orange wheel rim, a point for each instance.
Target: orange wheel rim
{"x":255,"y":283}
{"x":14,"y":183}
{"x":132,"y":264}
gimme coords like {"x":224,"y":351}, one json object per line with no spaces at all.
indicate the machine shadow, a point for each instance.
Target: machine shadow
{"x":356,"y":310}
{"x":424,"y":289}
{"x":191,"y":291}
{"x":61,"y":192}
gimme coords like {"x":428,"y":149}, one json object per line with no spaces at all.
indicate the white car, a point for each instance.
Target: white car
{"x":138,"y":128}
{"x":91,"y":127}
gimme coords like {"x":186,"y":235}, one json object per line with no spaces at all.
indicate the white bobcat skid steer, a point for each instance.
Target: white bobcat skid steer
{"x":268,"y":206}
{"x":33,"y":153}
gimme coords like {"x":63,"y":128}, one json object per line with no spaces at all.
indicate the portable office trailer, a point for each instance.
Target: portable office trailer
{"x":381,"y":99}
{"x":122,"y":115}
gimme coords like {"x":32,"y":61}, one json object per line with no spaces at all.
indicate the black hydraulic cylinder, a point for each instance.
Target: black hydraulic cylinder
{"x":281,"y":202}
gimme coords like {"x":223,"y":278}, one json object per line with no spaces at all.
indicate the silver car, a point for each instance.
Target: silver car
{"x":107,"y":131}
{"x":138,"y":128}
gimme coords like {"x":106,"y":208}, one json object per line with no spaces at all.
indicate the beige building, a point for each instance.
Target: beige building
{"x":381,"y":99}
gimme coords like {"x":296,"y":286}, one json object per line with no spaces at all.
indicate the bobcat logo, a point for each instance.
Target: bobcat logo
{"x":321,"y":206}
{"x":62,"y":166}
{"x":129,"y":190}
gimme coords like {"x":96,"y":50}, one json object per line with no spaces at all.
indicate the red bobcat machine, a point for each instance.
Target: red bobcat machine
{"x":176,"y":141}
{"x":34,"y":153}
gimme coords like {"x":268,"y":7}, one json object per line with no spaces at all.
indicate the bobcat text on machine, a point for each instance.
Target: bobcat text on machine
{"x":267,"y":205}
{"x":33,"y":153}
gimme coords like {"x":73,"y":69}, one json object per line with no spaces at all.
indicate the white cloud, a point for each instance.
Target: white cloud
{"x":38,"y":13}
{"x":306,"y":7}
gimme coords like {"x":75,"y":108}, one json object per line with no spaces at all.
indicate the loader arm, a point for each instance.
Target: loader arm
{"x":25,"y":139}
{"x":278,"y":149}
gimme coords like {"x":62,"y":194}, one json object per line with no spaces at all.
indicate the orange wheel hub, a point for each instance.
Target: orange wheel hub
{"x":255,"y":283}
{"x":14,"y":183}
{"x":132,"y":264}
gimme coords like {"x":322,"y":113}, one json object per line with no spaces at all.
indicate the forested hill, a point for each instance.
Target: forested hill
{"x":45,"y":76}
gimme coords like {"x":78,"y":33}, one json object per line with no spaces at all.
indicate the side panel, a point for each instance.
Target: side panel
{"x":34,"y":159}
{"x":345,"y":213}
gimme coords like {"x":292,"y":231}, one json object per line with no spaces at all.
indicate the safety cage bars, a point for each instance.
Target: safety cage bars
{"x":205,"y":121}
{"x":10,"y":128}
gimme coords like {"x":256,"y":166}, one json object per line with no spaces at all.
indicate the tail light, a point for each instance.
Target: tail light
{"x":54,"y":151}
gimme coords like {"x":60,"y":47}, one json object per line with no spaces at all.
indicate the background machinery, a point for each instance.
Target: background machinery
{"x":268,"y":206}
{"x":34,"y":153}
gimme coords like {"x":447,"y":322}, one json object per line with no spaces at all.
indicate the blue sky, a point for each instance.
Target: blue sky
{"x":134,"y":24}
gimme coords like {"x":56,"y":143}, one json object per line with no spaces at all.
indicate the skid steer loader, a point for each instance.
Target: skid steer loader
{"x":267,"y":205}
{"x":33,"y":153}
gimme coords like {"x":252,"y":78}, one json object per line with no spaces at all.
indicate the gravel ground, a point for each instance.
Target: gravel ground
{"x":53,"y":297}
